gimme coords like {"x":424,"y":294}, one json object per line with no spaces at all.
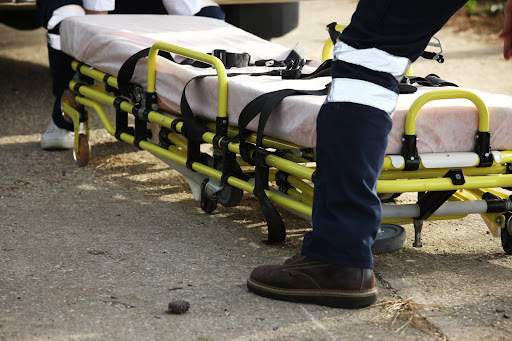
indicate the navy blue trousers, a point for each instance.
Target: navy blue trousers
{"x":60,"y":63}
{"x":352,"y":137}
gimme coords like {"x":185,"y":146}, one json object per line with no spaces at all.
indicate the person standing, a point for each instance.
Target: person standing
{"x":59,"y":133}
{"x":335,"y":266}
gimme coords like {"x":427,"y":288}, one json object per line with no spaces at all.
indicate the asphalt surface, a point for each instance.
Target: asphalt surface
{"x":97,"y":253}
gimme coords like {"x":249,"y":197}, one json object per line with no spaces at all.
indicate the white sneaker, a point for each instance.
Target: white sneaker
{"x":57,"y":138}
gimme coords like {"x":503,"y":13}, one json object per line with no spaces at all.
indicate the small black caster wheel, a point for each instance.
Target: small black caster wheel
{"x":230,"y":196}
{"x":207,"y":204}
{"x":390,"y":238}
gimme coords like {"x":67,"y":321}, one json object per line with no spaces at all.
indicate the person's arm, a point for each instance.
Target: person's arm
{"x":506,"y":33}
{"x":99,"y":6}
{"x":182,"y":7}
{"x":95,"y":12}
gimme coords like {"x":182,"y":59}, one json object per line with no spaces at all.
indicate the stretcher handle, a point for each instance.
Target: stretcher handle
{"x":203,"y":57}
{"x":483,"y":112}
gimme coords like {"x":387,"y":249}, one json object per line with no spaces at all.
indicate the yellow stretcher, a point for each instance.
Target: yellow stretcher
{"x":450,"y":185}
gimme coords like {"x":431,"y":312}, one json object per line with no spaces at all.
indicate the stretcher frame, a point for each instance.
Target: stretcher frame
{"x":447,"y":192}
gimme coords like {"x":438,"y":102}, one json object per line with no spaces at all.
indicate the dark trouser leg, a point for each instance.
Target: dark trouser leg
{"x":60,"y":63}
{"x":212,"y":12}
{"x":60,"y":68}
{"x":351,"y":144}
{"x":352,"y":128}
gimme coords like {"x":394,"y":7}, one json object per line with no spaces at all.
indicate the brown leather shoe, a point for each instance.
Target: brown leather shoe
{"x":303,"y":279}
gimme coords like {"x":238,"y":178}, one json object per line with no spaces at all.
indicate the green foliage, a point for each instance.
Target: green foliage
{"x":488,"y":7}
{"x":471,"y":7}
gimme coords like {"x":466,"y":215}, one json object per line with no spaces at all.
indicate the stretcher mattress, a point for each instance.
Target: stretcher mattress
{"x":106,"y":42}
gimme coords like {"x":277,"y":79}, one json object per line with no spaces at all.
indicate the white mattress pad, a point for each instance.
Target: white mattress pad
{"x":106,"y":42}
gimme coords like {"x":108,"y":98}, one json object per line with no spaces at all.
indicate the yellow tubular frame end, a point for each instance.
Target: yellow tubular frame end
{"x":75,"y":116}
{"x":483,"y":112}
{"x":205,"y":58}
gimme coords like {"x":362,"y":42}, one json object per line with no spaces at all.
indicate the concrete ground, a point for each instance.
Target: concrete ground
{"x":96,"y":253}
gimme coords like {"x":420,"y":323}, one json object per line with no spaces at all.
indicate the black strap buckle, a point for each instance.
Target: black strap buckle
{"x":293,"y":69}
{"x":230,"y":59}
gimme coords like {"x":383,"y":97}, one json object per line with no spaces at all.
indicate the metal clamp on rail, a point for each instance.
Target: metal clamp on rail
{"x":410,"y":153}
{"x":457,"y":177}
{"x":83,"y":78}
{"x":108,"y":87}
{"x":121,"y":119}
{"x":496,"y":204}
{"x":163,"y":138}
{"x":282,"y":181}
{"x":483,"y":149}
{"x":142,"y":133}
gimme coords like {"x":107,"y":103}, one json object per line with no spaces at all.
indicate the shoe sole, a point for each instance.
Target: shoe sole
{"x":329,"y":298}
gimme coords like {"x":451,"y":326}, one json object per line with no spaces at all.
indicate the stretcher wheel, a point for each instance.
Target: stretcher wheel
{"x":83,"y":156}
{"x":390,"y":238}
{"x":207,"y":204}
{"x":506,"y":235}
{"x":230,"y":196}
{"x":69,"y":97}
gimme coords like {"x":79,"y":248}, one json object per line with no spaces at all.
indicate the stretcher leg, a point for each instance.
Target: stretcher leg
{"x":83,"y":154}
{"x":418,"y":225}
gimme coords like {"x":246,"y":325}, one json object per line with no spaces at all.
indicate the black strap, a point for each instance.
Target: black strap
{"x":436,"y":81}
{"x":430,"y":80}
{"x":264,"y":106}
{"x":193,"y":128}
{"x":322,"y":71}
{"x":331,"y":28}
{"x":404,"y":88}
{"x":434,"y":56}
{"x":293,"y":63}
{"x":230,"y":59}
{"x":406,"y":85}
{"x":126,"y":71}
